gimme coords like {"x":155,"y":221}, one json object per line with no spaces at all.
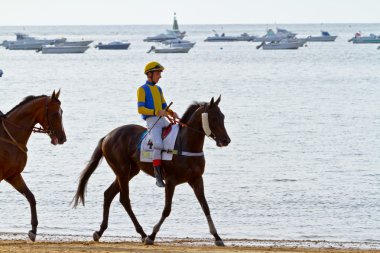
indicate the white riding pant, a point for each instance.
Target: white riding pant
{"x":156,"y":133}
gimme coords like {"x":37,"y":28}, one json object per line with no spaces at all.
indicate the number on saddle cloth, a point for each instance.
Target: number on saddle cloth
{"x":169,"y":135}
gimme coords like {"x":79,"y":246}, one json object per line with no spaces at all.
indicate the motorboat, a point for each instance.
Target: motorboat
{"x":359,"y":39}
{"x":26,"y":42}
{"x":56,"y":49}
{"x":245,"y":37}
{"x":114,"y":45}
{"x":325,"y":37}
{"x":174,"y":33}
{"x":220,"y":38}
{"x":74,"y":43}
{"x":282,"y":44}
{"x":178,"y":43}
{"x":167,"y":50}
{"x":169,"y":35}
{"x":278,"y":36}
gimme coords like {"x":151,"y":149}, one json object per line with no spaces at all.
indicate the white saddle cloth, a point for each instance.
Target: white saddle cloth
{"x":146,"y":149}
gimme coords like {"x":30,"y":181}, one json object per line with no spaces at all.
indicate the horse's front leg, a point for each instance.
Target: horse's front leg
{"x":19,"y":184}
{"x":198,"y":188}
{"x":169,"y":192}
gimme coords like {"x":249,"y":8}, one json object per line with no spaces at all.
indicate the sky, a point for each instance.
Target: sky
{"x":128,"y":12}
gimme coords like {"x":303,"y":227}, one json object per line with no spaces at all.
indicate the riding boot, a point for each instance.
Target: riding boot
{"x":157,"y":175}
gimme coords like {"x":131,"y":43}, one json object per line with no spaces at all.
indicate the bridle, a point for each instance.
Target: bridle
{"x":49,"y":130}
{"x":206,"y":132}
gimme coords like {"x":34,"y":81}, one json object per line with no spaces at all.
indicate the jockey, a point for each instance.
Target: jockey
{"x":152,"y":107}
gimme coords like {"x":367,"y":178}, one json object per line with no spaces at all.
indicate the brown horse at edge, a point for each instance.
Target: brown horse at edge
{"x":121,"y":151}
{"x":16,"y":128}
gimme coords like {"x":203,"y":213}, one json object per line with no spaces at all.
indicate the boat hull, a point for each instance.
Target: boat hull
{"x":369,"y":41}
{"x":64,"y":49}
{"x":280,"y":46}
{"x":175,"y":50}
{"x":322,"y":38}
{"x":220,"y":39}
{"x":113,"y":47}
{"x":80,"y":43}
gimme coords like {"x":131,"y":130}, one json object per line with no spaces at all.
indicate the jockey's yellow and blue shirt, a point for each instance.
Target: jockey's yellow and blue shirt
{"x":150,"y":100}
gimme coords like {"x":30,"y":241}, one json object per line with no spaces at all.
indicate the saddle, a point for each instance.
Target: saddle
{"x":169,"y":136}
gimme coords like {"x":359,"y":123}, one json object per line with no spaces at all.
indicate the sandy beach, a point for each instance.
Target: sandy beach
{"x":103,"y":247}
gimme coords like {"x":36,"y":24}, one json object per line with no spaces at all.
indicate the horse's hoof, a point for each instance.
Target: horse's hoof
{"x":32,"y":236}
{"x":143,"y":239}
{"x":96,"y":236}
{"x":148,"y":241}
{"x":219,"y":243}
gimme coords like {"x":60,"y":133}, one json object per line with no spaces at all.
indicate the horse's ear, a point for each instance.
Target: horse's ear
{"x":57,"y":95}
{"x":218,"y":100}
{"x":53,"y":95}
{"x":211,"y":102}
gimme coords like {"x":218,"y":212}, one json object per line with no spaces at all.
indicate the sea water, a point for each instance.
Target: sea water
{"x":304,"y":159}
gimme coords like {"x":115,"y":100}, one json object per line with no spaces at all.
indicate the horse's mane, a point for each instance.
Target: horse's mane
{"x":24,"y":101}
{"x":190,"y":110}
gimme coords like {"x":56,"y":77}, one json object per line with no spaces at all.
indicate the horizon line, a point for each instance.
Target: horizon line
{"x":275,"y":23}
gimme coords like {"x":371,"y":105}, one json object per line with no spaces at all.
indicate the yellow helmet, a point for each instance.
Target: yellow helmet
{"x":153,"y":66}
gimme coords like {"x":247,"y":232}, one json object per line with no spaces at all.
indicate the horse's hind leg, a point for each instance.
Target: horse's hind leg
{"x":169,"y":192}
{"x":198,"y":188}
{"x":124,"y":174}
{"x":109,"y":195}
{"x":19,"y":184}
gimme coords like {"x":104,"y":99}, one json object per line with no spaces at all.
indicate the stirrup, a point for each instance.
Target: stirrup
{"x":157,"y":175}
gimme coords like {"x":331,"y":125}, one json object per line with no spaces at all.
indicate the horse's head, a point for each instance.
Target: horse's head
{"x":52,"y":122}
{"x":213,"y":119}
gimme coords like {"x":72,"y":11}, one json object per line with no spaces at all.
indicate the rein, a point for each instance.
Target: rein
{"x":47,"y":131}
{"x":23,"y":149}
{"x":179,"y":122}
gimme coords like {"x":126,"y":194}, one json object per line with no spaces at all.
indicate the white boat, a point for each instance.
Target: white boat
{"x":281,"y":45}
{"x":272,"y":36}
{"x":220,"y":38}
{"x":325,"y":37}
{"x":359,"y":39}
{"x":55,"y":49}
{"x":169,"y":35}
{"x":74,"y":43}
{"x":26,"y":42}
{"x":178,"y":43}
{"x":168,"y":50}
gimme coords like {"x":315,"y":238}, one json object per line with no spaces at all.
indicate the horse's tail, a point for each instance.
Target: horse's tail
{"x":87,"y":172}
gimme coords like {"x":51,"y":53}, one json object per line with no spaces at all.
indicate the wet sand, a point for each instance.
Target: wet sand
{"x":19,"y":246}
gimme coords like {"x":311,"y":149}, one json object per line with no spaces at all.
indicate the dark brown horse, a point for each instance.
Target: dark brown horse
{"x":120,"y":149}
{"x":15,"y":129}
